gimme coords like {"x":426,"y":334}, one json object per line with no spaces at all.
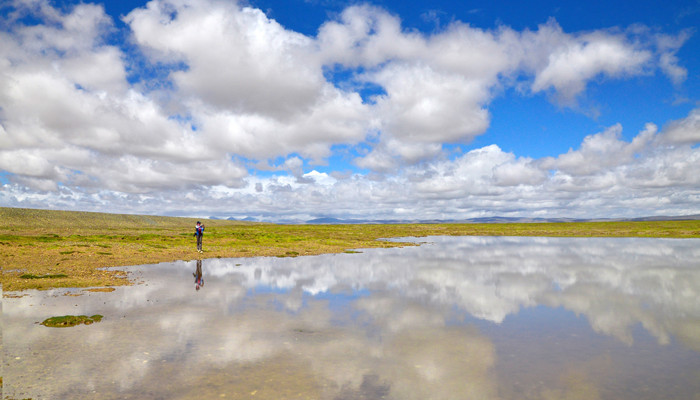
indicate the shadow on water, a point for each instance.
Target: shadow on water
{"x":473,"y":317}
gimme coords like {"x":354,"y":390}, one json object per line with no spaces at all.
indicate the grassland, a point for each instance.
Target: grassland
{"x":41,"y":249}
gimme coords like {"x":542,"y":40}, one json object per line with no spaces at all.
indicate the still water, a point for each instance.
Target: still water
{"x":453,"y":318}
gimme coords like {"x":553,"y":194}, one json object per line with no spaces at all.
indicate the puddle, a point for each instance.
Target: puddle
{"x":457,"y":317}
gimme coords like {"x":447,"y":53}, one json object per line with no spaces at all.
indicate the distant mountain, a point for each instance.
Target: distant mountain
{"x":328,"y":221}
{"x":668,"y":218}
{"x":483,"y":220}
{"x":479,"y":220}
{"x":493,"y":220}
{"x":246,"y":219}
{"x":331,"y":221}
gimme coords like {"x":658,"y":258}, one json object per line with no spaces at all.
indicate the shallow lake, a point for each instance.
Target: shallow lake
{"x":453,"y":318}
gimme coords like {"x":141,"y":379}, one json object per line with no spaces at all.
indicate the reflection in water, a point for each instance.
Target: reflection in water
{"x":475,"y":317}
{"x":198,"y":279}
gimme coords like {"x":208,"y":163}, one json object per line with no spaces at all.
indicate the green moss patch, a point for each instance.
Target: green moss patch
{"x":67,"y":321}
{"x":49,"y":276}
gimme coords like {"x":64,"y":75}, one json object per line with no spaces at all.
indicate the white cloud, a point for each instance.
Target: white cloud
{"x":471,"y":174}
{"x":321,"y":178}
{"x":600,"y":152}
{"x":519,"y":172}
{"x":234,"y":90}
{"x":237,"y":59}
{"x":25,"y":163}
{"x":426,"y":106}
{"x":639,"y":177}
{"x":379,"y":160}
{"x":438,"y":86}
{"x":367,"y":36}
{"x":685,"y":131}
{"x":637,"y":168}
{"x":253,"y":88}
{"x":668,"y":46}
{"x":67,"y":106}
{"x":579,"y":59}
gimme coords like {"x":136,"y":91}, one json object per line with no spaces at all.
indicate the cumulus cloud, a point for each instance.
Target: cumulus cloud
{"x":66,"y":103}
{"x":668,"y":46}
{"x":637,"y":176}
{"x":605,"y":174}
{"x":86,"y":122}
{"x":604,"y":161}
{"x":685,"y":131}
{"x":438,"y":86}
{"x":577,"y":60}
{"x":236,"y":58}
{"x":367,"y":36}
{"x":425,"y":106}
{"x":252,"y":87}
{"x":600,"y":152}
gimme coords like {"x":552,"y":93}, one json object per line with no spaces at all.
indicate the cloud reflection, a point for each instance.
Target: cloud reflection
{"x":385,"y":322}
{"x":615,"y":283}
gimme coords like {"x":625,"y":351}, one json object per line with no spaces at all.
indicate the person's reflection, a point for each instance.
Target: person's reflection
{"x":198,"y":279}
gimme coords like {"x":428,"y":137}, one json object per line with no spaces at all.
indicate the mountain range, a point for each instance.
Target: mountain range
{"x":481,"y":220}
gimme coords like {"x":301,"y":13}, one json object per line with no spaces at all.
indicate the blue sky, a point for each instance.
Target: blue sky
{"x":291,"y":110}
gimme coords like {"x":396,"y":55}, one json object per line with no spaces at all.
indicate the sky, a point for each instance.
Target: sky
{"x":289,"y":110}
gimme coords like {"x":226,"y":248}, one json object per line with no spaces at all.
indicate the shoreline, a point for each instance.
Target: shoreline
{"x":65,"y":249}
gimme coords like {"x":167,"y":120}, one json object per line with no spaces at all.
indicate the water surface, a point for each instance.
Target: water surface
{"x":453,"y":318}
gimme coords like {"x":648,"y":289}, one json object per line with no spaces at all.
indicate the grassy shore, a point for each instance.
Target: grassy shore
{"x":42,"y":249}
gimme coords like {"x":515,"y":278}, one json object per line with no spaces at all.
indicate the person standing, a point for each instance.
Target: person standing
{"x":199,"y":232}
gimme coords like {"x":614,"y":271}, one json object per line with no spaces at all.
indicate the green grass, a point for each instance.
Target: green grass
{"x":46,"y":243}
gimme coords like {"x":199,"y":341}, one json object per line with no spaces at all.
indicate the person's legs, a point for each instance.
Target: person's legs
{"x":199,"y":242}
